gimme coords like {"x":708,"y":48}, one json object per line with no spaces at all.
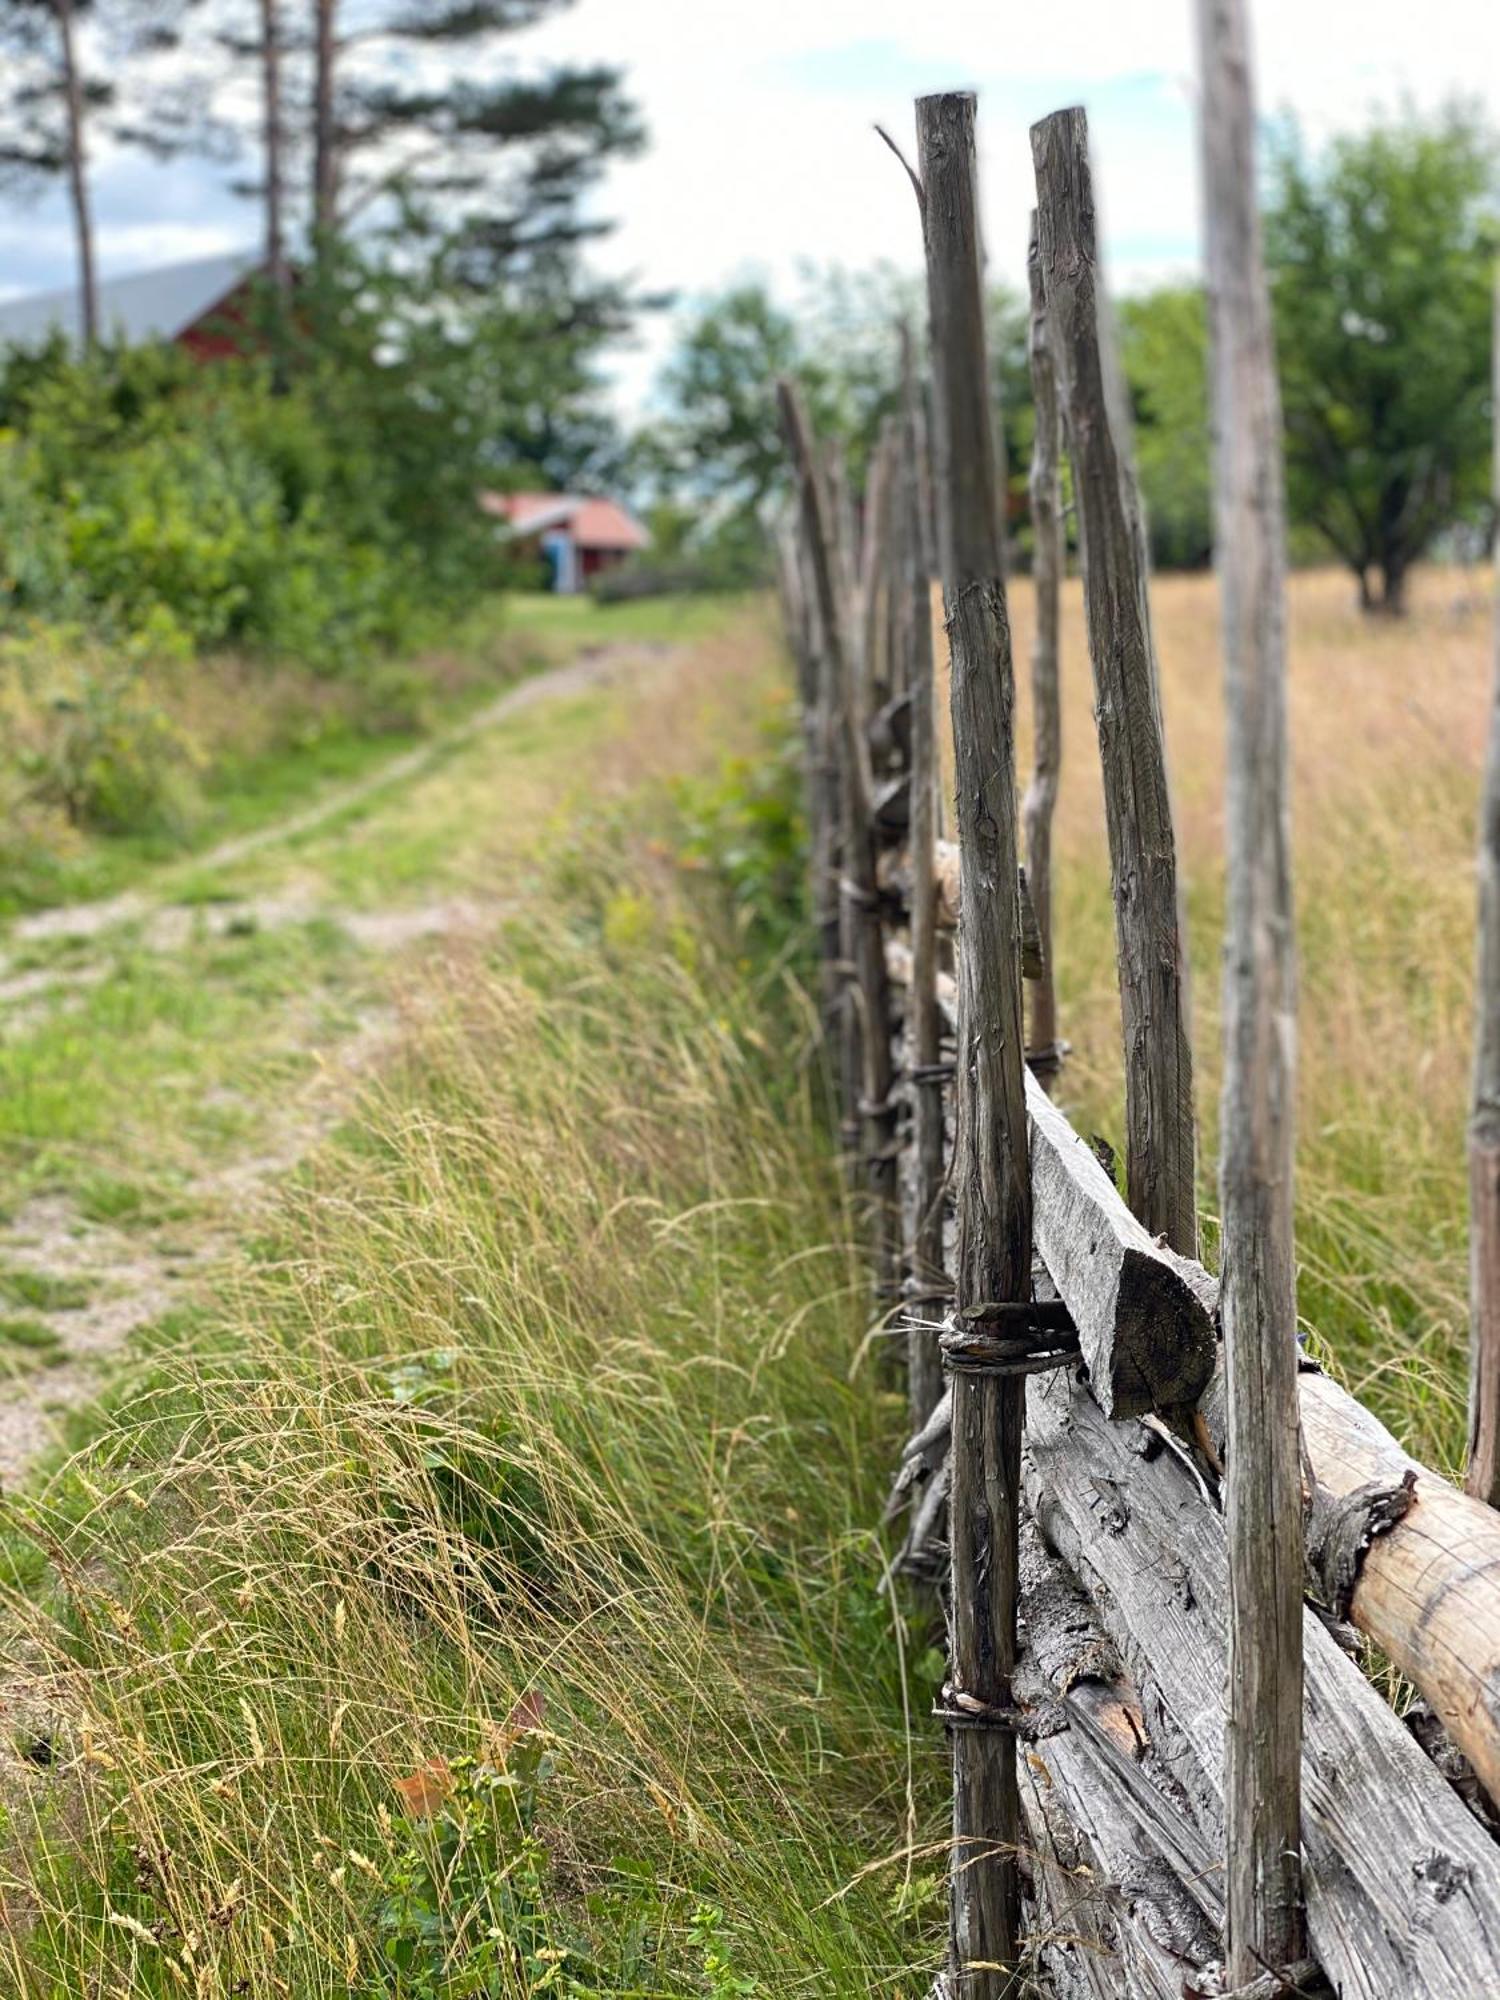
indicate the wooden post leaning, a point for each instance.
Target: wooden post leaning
{"x":1046,"y":1050}
{"x":994,"y":1197}
{"x":928,"y":1073}
{"x":1483,"y":1479}
{"x":1159,"y":1150}
{"x":860,"y":887}
{"x":1266,"y":1929}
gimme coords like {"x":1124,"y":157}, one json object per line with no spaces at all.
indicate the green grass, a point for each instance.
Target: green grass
{"x":241,"y":794}
{"x":27,"y":1345}
{"x":151,"y":1072}
{"x":545,"y":1383}
{"x":574,"y":622}
{"x":44,"y":1291}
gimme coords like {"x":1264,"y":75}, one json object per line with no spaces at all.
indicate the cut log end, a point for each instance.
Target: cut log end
{"x":1164,"y":1345}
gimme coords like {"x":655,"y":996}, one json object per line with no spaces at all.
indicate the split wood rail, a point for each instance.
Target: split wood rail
{"x":1166,"y":1543}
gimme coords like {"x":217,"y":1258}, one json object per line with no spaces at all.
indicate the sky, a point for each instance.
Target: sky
{"x":763,"y":157}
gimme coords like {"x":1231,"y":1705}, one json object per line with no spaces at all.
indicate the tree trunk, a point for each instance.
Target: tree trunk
{"x":1393,"y":574}
{"x":276,"y":265}
{"x":1258,"y":1292}
{"x":993,"y":1263}
{"x":325,"y":130}
{"x":78,"y":183}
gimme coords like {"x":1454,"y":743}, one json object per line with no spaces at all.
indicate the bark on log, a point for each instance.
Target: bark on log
{"x":1258,"y":1292}
{"x":1046,"y":708}
{"x":1138,"y":811}
{"x":993,"y":1186}
{"x":1148,"y":1341}
{"x":1403,"y":1885}
{"x":1483,"y":1479}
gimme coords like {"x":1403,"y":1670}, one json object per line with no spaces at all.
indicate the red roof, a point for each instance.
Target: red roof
{"x":592,"y":523}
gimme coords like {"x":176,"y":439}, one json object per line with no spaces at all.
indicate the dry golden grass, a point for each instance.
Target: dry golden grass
{"x":1387,"y":724}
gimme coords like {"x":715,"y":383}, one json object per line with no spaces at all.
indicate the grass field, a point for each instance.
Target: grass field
{"x":1387,"y":727}
{"x":476,"y":1589}
{"x":535,"y":1400}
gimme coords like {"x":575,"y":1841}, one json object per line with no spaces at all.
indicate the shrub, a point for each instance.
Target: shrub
{"x":90,"y":742}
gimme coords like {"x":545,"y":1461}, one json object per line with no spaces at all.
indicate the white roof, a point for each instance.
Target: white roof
{"x":146,"y":305}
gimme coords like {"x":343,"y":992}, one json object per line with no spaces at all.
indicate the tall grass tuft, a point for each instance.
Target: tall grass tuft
{"x":492,"y":1603}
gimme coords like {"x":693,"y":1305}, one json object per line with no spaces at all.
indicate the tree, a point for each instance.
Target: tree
{"x":716,"y":435}
{"x":44,"y":138}
{"x":1380,"y":252}
{"x":416,"y":101}
{"x":1163,"y":349}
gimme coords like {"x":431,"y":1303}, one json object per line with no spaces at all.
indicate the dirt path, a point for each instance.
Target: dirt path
{"x":596,"y":667}
{"x":74,"y":1286}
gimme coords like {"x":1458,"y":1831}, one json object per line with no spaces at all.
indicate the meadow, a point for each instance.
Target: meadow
{"x":1387,"y":723}
{"x":478,"y":1587}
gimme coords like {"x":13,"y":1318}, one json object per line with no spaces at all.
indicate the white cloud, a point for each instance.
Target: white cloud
{"x":761,"y":112}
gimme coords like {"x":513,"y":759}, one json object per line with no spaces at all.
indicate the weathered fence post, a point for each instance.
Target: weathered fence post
{"x":861,"y":925}
{"x":1159,"y":1142}
{"x":1484,"y":1116}
{"x":991,"y":1171}
{"x":1045,"y":1053}
{"x":874,"y":571}
{"x":928,"y":1072}
{"x":1258,"y":1291}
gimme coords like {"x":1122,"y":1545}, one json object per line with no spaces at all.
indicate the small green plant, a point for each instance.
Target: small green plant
{"x":463,"y":1910}
{"x":745,"y":826}
{"x":721,"y":1981}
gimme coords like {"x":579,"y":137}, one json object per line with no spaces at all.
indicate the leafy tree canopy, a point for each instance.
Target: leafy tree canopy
{"x":1381,"y":251}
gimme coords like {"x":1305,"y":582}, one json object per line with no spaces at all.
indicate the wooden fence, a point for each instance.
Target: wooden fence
{"x":1163,"y":1538}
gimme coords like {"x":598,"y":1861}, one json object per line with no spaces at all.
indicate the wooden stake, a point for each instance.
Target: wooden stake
{"x":1258,"y":1294}
{"x":1046,"y":708}
{"x":1159,"y":1144}
{"x":874,"y":577}
{"x":924,"y":1365}
{"x":861,"y":924}
{"x":1483,"y":1479}
{"x":994,"y":1196}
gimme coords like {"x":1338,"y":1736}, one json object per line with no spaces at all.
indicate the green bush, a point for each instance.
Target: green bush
{"x":152,"y":498}
{"x":89,"y":742}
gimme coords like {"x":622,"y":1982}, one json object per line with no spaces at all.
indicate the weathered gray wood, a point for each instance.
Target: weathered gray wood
{"x":1148,"y":1342}
{"x":1403,"y":1885}
{"x":1428,"y":1593}
{"x":1258,"y":1290}
{"x":924,"y":1031}
{"x":1148,"y":1904}
{"x":1138,"y":812}
{"x":860,"y":925}
{"x":874,"y":572}
{"x":1046,"y":709}
{"x":993,"y":1186}
{"x":1483,"y":1478}
{"x":823,"y":787}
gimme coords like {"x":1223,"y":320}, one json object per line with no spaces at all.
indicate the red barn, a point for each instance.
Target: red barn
{"x":575,"y":534}
{"x":204,"y":306}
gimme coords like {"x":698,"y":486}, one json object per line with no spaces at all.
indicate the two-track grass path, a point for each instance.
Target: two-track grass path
{"x":167,"y":1055}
